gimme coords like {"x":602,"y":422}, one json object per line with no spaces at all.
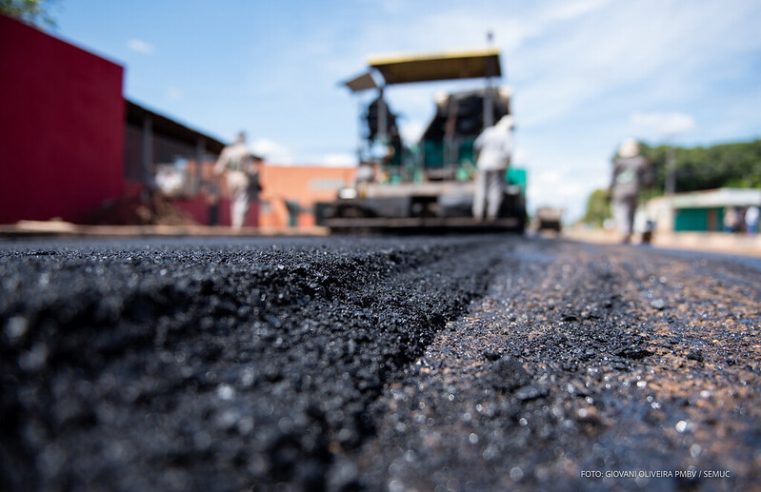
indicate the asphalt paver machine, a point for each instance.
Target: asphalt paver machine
{"x":428,"y":185}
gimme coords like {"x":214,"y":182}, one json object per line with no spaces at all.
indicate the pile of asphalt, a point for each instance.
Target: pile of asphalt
{"x":213,"y":365}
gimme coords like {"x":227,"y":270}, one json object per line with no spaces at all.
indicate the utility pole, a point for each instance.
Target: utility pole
{"x":488,"y":109}
{"x":670,"y":171}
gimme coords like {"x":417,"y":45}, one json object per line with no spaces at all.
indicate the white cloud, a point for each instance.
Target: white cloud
{"x":619,"y":45}
{"x":554,"y":188}
{"x":273,"y":152}
{"x":520,"y":156}
{"x":338,"y":160}
{"x":572,"y":10}
{"x":140,"y":46}
{"x":175,"y":93}
{"x":563,"y":189}
{"x":411,"y":130}
{"x":662,"y":124}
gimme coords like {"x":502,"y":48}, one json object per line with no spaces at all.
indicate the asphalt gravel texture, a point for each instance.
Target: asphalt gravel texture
{"x":439,"y":363}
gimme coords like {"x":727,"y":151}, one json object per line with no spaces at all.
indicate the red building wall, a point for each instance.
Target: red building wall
{"x":61,"y":127}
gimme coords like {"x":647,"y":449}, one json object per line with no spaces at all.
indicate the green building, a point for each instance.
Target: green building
{"x":699,"y":211}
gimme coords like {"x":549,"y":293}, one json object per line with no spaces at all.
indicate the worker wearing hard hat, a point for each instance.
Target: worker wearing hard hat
{"x":494,"y":146}
{"x":629,"y":173}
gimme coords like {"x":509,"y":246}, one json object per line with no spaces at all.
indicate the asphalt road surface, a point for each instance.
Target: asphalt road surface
{"x":445,"y":363}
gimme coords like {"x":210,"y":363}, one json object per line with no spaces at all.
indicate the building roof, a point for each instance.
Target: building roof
{"x":165,"y":125}
{"x":722,"y":197}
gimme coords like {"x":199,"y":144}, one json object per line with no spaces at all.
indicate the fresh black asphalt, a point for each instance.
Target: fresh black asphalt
{"x":302,"y":364}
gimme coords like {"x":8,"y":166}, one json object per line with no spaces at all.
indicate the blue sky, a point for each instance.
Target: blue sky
{"x":585,"y":73}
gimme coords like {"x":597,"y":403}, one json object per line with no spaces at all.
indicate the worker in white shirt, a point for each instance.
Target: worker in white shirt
{"x":494,"y":147}
{"x":242,"y":174}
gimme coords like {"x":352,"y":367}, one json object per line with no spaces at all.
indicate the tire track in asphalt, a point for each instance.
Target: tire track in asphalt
{"x":562,"y":368}
{"x":705,"y":321}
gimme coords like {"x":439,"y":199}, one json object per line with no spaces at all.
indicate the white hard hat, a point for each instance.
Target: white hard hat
{"x":629,"y":148}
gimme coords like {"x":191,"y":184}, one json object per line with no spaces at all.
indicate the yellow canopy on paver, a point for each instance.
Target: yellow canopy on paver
{"x":431,"y":67}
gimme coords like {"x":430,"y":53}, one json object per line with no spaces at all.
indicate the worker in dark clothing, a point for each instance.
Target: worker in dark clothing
{"x":211,"y":193}
{"x":629,"y":174}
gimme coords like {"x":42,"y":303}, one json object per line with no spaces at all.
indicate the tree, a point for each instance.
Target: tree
{"x":702,"y":168}
{"x":598,"y":208}
{"x":33,"y":12}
